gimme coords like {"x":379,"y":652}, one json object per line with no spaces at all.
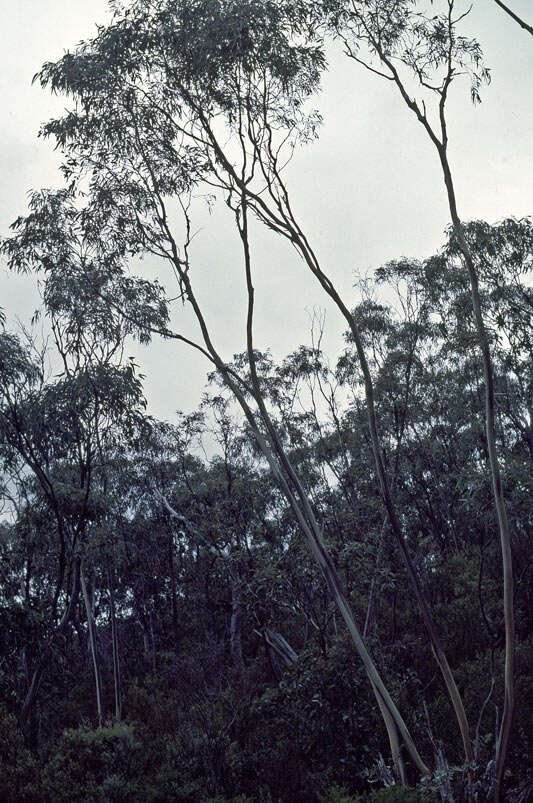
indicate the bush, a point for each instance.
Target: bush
{"x":93,"y":766}
{"x":19,"y":777}
{"x":400,"y":794}
{"x":391,"y":794}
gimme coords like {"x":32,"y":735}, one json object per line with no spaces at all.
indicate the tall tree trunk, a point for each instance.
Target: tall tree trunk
{"x":305,"y":515}
{"x":37,"y":674}
{"x":440,"y":142}
{"x":236,"y":619}
{"x":114,"y":638}
{"x":152,"y":643}
{"x":370,"y":627}
{"x":497,"y":488}
{"x":92,"y":641}
{"x":394,"y":741}
{"x":172,"y":573}
{"x":386,"y":495}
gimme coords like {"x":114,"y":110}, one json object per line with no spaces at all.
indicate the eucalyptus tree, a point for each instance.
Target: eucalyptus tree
{"x":26,"y":443}
{"x":63,"y":429}
{"x":405,"y":45}
{"x":151,"y":90}
{"x":503,"y":255}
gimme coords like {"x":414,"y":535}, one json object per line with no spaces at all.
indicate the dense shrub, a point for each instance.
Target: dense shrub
{"x":93,"y":766}
{"x":391,"y":794}
{"x":19,"y":779}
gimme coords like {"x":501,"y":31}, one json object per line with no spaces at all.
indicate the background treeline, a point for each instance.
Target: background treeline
{"x":165,"y":594}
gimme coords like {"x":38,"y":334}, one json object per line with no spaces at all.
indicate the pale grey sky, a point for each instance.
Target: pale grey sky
{"x":369,"y":190}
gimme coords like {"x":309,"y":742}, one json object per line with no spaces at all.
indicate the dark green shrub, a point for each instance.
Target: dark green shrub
{"x":93,"y":766}
{"x":391,"y":794}
{"x":399,"y":794}
{"x":19,"y":777}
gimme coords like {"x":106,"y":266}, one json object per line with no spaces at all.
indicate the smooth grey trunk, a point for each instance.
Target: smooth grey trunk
{"x":115,"y":645}
{"x":370,"y":627}
{"x":280,"y":646}
{"x":497,"y":487}
{"x":394,"y":741}
{"x":440,"y":142}
{"x":385,"y":492}
{"x":311,"y":528}
{"x":152,"y":642}
{"x":173,"y":592}
{"x":92,"y":642}
{"x":236,"y":619}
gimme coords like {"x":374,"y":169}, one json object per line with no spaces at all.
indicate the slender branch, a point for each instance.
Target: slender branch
{"x":523,"y":24}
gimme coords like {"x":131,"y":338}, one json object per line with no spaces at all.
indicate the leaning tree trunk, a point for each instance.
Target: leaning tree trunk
{"x":300,"y":504}
{"x":288,"y":655}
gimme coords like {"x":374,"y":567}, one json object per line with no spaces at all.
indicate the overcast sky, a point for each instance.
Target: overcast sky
{"x":369,"y":190}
